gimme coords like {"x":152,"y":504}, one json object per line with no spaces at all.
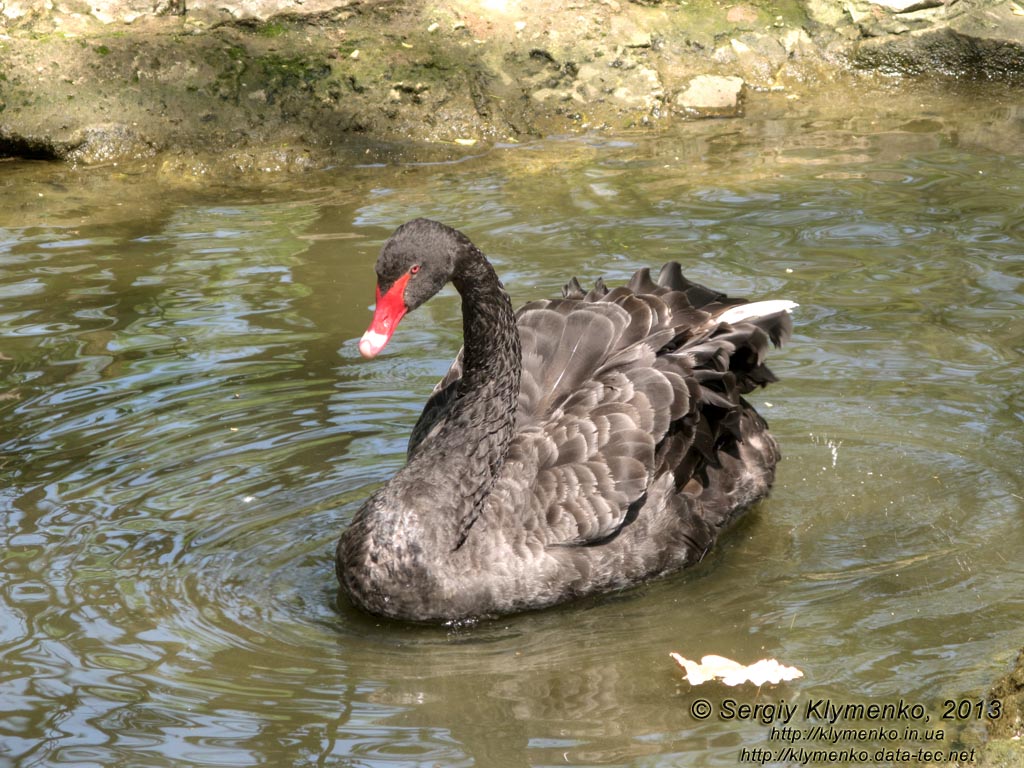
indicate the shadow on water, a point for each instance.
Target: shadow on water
{"x":186,"y":426}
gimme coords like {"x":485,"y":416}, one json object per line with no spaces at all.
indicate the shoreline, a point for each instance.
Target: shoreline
{"x":275,"y":85}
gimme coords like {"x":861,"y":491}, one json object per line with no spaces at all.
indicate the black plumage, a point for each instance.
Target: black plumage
{"x":579,"y":445}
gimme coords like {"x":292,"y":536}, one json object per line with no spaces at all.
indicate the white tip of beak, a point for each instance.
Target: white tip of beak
{"x":371,"y":344}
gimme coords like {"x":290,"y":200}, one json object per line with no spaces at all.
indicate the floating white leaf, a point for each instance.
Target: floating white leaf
{"x":733,"y":673}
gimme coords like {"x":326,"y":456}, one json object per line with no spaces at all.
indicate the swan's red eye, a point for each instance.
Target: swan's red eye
{"x":414,"y":268}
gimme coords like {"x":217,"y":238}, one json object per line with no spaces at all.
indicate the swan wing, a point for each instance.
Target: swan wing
{"x":593,"y":409}
{"x":622,"y":387}
{"x":619,"y":388}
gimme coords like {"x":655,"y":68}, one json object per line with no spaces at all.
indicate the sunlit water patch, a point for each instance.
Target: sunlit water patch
{"x":186,"y":426}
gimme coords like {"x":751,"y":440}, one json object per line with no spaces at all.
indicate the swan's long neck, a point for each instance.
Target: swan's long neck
{"x":456,"y":465}
{"x":492,"y":357}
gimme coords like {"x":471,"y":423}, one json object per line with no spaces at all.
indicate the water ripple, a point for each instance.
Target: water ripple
{"x":187,"y":426}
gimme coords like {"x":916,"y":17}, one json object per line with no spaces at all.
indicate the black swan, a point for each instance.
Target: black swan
{"x":579,"y":445}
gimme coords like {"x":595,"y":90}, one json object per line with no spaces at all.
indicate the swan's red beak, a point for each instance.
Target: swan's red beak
{"x":390,"y":309}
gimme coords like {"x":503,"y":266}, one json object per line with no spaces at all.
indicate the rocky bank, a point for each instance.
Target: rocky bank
{"x":281,"y":84}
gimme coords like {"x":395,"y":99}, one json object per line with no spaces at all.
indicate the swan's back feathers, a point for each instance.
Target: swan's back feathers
{"x":625,"y":388}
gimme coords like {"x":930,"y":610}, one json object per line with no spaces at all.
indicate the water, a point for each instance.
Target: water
{"x":186,"y":427}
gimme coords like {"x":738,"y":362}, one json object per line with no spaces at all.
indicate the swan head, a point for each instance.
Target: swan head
{"x":415,"y":263}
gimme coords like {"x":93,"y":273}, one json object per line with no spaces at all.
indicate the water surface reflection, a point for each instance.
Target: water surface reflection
{"x":185,"y":426}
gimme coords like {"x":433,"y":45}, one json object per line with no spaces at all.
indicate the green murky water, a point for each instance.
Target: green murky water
{"x":186,"y":426}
